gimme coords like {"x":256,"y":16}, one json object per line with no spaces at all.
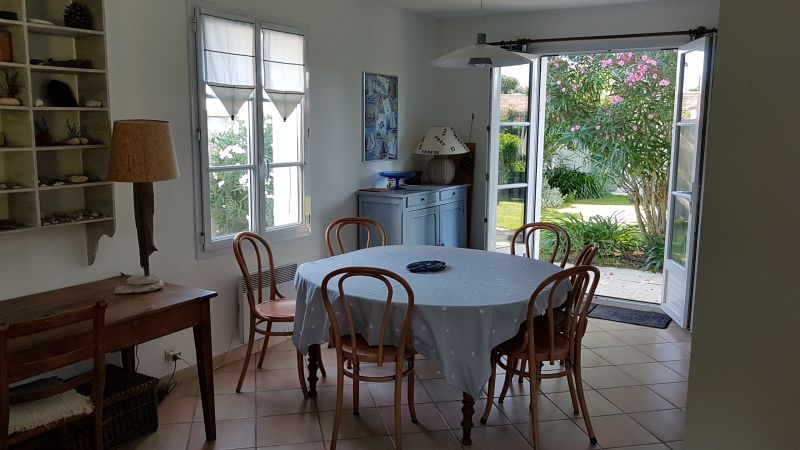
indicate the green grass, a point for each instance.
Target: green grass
{"x":510,"y":215}
{"x":610,"y":199}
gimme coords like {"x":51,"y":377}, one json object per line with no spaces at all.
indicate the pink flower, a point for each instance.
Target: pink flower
{"x":663,"y":82}
{"x":645,"y":58}
{"x":616,"y":99}
{"x":655,"y":76}
{"x":575,"y":128}
{"x":620,"y":63}
{"x":635,"y":128}
{"x":558,"y":82}
{"x":557,"y":65}
{"x":606,"y":62}
{"x":652,"y":62}
{"x":574,"y":88}
{"x":597,"y":127}
{"x":563,"y":89}
{"x":651,"y":116}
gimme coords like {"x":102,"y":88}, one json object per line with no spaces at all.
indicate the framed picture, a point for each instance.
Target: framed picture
{"x":380,"y":117}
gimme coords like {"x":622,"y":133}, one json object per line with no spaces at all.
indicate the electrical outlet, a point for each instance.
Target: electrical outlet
{"x":171,"y":355}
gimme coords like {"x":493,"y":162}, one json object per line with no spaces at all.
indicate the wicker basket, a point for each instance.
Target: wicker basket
{"x":130,"y":410}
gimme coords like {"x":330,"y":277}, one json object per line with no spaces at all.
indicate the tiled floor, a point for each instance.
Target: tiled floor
{"x":635,"y":382}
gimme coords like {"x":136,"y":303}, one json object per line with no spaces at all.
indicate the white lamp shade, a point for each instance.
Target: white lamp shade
{"x":478,"y":56}
{"x":441,"y":141}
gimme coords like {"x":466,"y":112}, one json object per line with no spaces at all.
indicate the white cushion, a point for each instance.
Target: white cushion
{"x":30,"y":415}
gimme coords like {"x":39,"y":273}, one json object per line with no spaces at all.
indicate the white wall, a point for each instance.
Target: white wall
{"x":149,"y":75}
{"x":745,"y":366}
{"x":462,"y":92}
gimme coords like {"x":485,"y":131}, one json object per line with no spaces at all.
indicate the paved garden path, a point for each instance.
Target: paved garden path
{"x":625,"y":213}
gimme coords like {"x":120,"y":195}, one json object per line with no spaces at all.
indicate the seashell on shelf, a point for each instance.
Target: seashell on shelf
{"x":73,"y":141}
{"x":7,"y":101}
{"x":38,"y":102}
{"x":77,"y":178}
{"x":93,"y":104}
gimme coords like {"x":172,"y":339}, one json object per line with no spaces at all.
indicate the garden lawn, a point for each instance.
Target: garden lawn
{"x":511,"y":214}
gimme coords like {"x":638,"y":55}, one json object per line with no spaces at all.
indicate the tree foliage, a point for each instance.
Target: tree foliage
{"x":616,"y":109}
{"x":510,"y":85}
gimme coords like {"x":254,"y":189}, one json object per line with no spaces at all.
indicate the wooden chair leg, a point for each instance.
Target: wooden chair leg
{"x":582,"y":400}
{"x":302,"y":373}
{"x":571,"y":384}
{"x":247,"y":355}
{"x":356,"y":387}
{"x":510,"y":362}
{"x":535,"y":412}
{"x":490,"y":394}
{"x":265,"y":344}
{"x":337,"y":418}
{"x":398,"y":400}
{"x":321,"y":365}
{"x":523,"y":365}
{"x":412,"y":410}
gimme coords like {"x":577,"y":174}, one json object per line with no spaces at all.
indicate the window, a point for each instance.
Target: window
{"x":252,"y":86}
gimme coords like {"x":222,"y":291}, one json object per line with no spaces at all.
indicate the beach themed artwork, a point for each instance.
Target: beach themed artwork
{"x":380,"y":117}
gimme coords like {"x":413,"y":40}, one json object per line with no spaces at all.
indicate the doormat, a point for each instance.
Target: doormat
{"x":631,"y":316}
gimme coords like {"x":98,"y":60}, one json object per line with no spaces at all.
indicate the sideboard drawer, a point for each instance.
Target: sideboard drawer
{"x":452,"y":194}
{"x":417,"y":200}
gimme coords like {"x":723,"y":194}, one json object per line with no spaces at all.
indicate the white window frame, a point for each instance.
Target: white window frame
{"x":206,"y":246}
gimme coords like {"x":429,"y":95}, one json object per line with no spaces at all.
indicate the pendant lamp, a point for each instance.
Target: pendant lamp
{"x":479,"y":55}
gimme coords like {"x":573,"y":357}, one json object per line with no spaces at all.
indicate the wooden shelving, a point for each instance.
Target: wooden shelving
{"x":23,"y":164}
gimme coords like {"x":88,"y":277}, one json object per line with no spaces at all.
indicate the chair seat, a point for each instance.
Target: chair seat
{"x":277,"y":310}
{"x":516,"y":346}
{"x":40,"y":413}
{"x":369,"y":353}
{"x":560,"y":319}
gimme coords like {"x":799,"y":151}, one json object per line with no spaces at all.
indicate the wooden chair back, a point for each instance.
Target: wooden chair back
{"x":582,"y":282}
{"x":586,"y":256}
{"x":384,"y":276}
{"x":527,"y":233}
{"x":65,"y":325}
{"x":360,"y":222}
{"x":255,"y":290}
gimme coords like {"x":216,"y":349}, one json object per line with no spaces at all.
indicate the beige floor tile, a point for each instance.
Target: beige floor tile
{"x":368,"y":443}
{"x":427,"y":370}
{"x":451,"y":411}
{"x":517,"y":409}
{"x":428,"y":419}
{"x":622,"y":355}
{"x":167,"y":437}
{"x":282,"y":345}
{"x":367,"y":423}
{"x":637,"y":337}
{"x":682,"y":366}
{"x":600,"y":339}
{"x":436,"y":440}
{"x":176,"y":410}
{"x":618,"y":431}
{"x":326,"y":397}
{"x":514,"y":389}
{"x":292,"y":401}
{"x":610,"y":325}
{"x":225,"y":382}
{"x":188,"y":388}
{"x":304,"y":446}
{"x":492,"y":438}
{"x":605,"y":377}
{"x":673,"y":334}
{"x":635,"y":399}
{"x":675,"y":393}
{"x":231,"y":434}
{"x":641,"y":447}
{"x":558,"y":435}
{"x":677,"y":445}
{"x":595,"y":403}
{"x":439,"y":391}
{"x":236,"y":366}
{"x":651,"y":373}
{"x":591,"y":359}
{"x":383,"y":393}
{"x":280,"y":360}
{"x":666,"y":425}
{"x":287,"y":429}
{"x":663,"y":352}
{"x":687,"y":346}
{"x":550,"y":385}
{"x":229,"y":406}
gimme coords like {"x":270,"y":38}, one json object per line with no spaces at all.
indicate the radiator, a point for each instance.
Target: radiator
{"x":284,"y":275}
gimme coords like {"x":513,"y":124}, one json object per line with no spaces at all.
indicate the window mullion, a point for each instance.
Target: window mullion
{"x":260,"y":168}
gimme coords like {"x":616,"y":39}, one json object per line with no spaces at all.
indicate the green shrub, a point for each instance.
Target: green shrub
{"x":653,"y":247}
{"x":551,"y":197}
{"x":611,"y":235}
{"x":573,"y":181}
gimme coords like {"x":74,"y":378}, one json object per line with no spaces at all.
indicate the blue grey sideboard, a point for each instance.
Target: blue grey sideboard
{"x":418,"y":215}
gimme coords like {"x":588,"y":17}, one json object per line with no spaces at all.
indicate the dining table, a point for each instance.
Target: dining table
{"x":478,"y":301}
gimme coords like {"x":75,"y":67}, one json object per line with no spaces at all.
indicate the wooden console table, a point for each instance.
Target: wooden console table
{"x":130,"y":320}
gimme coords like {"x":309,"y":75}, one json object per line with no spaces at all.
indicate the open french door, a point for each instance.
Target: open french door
{"x":686,"y":169}
{"x":512,"y":158}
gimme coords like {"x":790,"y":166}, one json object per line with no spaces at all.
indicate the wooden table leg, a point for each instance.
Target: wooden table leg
{"x":205,"y":370}
{"x":313,"y":365}
{"x":128,"y":358}
{"x":467,"y":409}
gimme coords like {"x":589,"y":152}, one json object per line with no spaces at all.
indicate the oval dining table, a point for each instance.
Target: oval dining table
{"x":460,"y":313}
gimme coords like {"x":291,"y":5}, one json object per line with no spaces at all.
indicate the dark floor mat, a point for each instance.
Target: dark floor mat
{"x":631,"y":316}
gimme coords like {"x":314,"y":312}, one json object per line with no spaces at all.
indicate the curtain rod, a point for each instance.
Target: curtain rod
{"x":693,"y":34}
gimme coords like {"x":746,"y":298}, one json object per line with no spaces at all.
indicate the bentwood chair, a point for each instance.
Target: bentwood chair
{"x":535,"y":345}
{"x":560,"y":240}
{"x":586,"y":256}
{"x":352,"y":346}
{"x":265,"y":308}
{"x":360,"y":222}
{"x":43,"y":405}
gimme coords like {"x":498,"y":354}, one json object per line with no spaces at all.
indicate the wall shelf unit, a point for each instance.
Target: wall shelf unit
{"x":35,"y":187}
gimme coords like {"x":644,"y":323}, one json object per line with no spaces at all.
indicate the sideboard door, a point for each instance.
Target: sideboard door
{"x":452,"y":224}
{"x":421,"y":227}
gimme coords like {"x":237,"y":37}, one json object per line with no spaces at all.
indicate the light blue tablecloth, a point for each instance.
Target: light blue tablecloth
{"x":460,"y":314}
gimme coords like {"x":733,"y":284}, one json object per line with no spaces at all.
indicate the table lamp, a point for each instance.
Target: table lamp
{"x":441,"y":142}
{"x":142,"y":153}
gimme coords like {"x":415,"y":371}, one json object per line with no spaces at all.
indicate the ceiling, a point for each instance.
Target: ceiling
{"x":444,"y":9}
